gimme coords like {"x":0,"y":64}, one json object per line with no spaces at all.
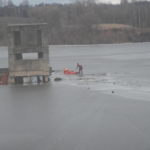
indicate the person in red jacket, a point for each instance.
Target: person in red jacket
{"x":80,"y":68}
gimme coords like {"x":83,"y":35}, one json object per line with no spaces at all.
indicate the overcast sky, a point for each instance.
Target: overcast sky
{"x":33,"y":2}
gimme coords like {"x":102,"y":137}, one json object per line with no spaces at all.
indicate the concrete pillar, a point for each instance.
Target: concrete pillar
{"x":29,"y":79}
{"x":38,"y":79}
{"x":43,"y":78}
{"x":19,"y":80}
{"x":46,"y":78}
{"x":12,"y":80}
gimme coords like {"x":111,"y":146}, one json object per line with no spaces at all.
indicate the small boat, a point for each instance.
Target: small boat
{"x":66,"y":71}
{"x":71,"y":72}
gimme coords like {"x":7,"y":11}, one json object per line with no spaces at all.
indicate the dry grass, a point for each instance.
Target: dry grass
{"x":111,"y":26}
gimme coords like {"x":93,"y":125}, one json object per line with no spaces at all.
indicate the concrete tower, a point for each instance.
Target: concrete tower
{"x":23,"y":39}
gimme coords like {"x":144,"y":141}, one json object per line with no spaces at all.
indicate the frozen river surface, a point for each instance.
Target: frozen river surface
{"x":81,"y":112}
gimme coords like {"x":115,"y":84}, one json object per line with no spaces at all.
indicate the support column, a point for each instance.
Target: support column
{"x":46,"y":78}
{"x":12,"y":80}
{"x":29,"y":79}
{"x":38,"y":79}
{"x":20,"y":80}
{"x":43,"y":79}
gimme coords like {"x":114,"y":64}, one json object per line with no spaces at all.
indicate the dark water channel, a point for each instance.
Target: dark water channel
{"x":81,"y":112}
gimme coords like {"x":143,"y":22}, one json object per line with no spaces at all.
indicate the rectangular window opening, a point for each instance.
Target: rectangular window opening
{"x":39,"y":37}
{"x":40,"y":54}
{"x":30,"y":56}
{"x":17,"y":38}
{"x":18,"y":56}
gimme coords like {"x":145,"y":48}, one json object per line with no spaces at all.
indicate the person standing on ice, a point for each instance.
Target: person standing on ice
{"x":80,"y":68}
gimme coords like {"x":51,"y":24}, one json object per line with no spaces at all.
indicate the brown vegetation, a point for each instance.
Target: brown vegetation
{"x":102,"y":27}
{"x":113,"y":33}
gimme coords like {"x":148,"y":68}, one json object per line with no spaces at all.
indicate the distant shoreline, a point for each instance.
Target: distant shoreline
{"x":90,"y":44}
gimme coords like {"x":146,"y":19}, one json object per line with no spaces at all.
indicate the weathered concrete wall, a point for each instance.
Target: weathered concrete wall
{"x":18,"y":66}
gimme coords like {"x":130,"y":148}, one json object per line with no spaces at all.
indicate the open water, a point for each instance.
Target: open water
{"x":81,"y":112}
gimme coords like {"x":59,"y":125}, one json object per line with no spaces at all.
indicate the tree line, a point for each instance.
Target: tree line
{"x":71,"y":23}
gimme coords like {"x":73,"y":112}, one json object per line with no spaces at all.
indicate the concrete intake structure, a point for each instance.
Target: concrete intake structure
{"x":20,"y":43}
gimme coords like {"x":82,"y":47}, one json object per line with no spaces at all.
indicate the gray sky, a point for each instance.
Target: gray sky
{"x":33,"y":2}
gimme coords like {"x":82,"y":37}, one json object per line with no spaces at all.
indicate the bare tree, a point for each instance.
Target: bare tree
{"x":124,"y":1}
{"x":25,"y":3}
{"x":5,"y":2}
{"x":1,"y":3}
{"x":10,"y":3}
